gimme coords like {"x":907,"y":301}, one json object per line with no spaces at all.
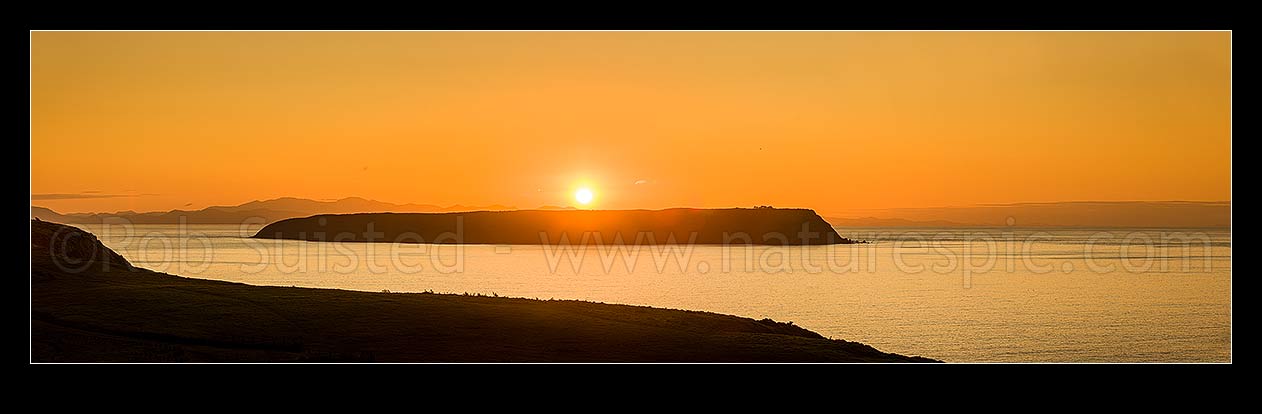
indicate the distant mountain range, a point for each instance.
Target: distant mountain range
{"x":1062,"y":214}
{"x":267,"y":210}
{"x":888,"y":222}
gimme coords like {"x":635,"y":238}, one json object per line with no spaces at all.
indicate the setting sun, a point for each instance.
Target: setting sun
{"x":583,"y":196}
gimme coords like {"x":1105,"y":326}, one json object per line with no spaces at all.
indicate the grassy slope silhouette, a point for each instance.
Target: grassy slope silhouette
{"x":111,"y":311}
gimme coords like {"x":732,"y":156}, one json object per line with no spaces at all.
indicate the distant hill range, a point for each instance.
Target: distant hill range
{"x":266,"y":210}
{"x":888,"y":222}
{"x":1064,"y":214}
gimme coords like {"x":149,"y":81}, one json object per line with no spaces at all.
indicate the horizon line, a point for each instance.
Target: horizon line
{"x":542,"y":207}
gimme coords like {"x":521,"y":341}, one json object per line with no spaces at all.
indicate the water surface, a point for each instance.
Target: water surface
{"x":1002,"y":294}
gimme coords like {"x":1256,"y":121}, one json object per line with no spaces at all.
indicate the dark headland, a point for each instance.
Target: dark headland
{"x":763,"y":226}
{"x":88,"y":304}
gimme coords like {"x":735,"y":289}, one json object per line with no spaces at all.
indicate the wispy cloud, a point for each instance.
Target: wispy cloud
{"x":83,"y":195}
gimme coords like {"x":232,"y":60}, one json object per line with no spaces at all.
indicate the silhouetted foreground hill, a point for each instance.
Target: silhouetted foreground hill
{"x":632,"y":227}
{"x":106,"y":310}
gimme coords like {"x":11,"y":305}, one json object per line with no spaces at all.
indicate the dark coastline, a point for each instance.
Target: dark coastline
{"x":106,"y":310}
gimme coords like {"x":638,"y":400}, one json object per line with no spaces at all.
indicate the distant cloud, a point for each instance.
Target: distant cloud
{"x":83,"y":195}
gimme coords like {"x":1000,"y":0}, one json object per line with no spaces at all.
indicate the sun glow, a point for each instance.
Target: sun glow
{"x":583,"y":196}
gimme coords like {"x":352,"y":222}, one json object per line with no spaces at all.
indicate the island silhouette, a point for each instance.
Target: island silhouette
{"x":754,"y":226}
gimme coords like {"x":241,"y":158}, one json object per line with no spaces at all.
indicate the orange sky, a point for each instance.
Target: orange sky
{"x":825,"y":120}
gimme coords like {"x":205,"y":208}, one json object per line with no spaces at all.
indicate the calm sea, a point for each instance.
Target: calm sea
{"x":960,"y":295}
